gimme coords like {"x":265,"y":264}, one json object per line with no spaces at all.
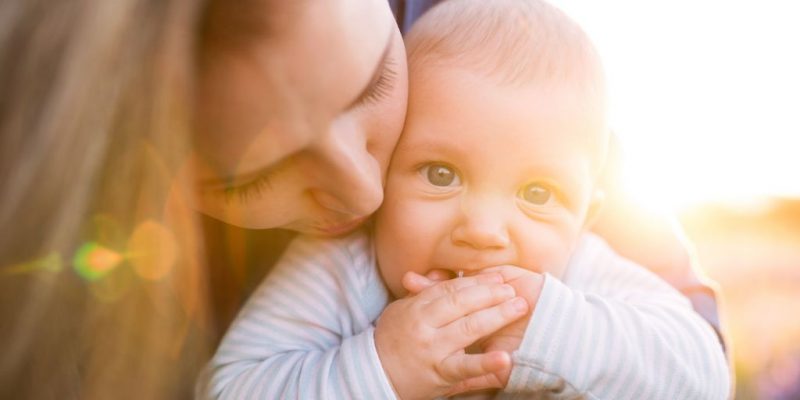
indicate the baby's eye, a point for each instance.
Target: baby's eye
{"x":440,"y":175}
{"x":536,"y":193}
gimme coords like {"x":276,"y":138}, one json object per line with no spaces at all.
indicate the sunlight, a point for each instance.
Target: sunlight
{"x":705,"y":96}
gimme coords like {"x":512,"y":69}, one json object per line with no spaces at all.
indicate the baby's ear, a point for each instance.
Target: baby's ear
{"x":595,"y":207}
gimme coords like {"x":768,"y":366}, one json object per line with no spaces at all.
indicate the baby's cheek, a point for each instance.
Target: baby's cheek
{"x":394,"y":261}
{"x":556,"y":270}
{"x":548,"y":254}
{"x":391,"y":274}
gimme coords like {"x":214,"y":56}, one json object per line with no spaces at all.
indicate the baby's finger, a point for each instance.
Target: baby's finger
{"x":465,"y":301}
{"x":453,"y":285}
{"x":461,"y":368}
{"x":463,"y":331}
{"x":415,"y":283}
{"x":438,"y":275}
{"x":483,"y":382}
{"x":509,"y":272}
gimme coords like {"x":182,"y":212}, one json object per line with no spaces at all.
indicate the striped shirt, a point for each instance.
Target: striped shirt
{"x":608,"y":329}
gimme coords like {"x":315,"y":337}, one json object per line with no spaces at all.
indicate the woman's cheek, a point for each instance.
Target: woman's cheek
{"x":383,"y":127}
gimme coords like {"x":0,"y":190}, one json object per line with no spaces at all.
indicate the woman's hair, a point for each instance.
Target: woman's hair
{"x":102,"y":290}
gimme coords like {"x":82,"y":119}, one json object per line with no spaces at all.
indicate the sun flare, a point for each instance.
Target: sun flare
{"x":704,"y":96}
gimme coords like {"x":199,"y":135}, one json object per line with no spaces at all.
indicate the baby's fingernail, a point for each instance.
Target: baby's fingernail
{"x":508,"y":291}
{"x":520,"y":305}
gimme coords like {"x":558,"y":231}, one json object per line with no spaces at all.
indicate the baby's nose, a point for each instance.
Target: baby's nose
{"x":481,"y":234}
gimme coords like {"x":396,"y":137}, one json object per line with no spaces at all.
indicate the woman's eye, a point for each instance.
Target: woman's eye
{"x":536,"y":194}
{"x":441,"y":175}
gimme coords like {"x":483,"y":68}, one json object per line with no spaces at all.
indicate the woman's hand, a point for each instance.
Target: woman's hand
{"x":421,"y":338}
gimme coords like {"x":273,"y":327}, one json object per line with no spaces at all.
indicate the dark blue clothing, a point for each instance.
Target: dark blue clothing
{"x":407,"y":11}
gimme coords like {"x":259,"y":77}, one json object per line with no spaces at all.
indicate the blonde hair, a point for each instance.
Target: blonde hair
{"x":94,"y":125}
{"x":514,"y":41}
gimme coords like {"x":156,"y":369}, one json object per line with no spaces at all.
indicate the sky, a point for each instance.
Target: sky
{"x":704,"y":95}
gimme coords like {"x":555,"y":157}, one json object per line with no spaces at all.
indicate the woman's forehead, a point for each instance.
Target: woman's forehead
{"x":260,"y":102}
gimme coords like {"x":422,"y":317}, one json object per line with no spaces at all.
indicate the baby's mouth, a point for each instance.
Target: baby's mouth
{"x":447,"y":272}
{"x":452,"y":273}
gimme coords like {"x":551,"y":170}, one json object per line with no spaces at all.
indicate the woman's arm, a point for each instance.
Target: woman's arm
{"x":302,"y":335}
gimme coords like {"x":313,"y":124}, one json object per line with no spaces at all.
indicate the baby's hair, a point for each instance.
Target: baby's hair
{"x":513,"y":42}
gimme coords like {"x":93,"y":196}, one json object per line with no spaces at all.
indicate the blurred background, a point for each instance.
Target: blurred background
{"x":705,"y":97}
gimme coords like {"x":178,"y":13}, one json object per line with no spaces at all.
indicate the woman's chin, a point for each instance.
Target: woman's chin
{"x":334,"y":229}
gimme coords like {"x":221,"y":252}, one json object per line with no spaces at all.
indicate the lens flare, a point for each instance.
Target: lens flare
{"x":113,"y":286}
{"x":51,"y":262}
{"x":93,"y":261}
{"x":152,"y":250}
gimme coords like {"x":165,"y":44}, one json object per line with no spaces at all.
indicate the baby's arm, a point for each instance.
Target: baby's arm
{"x":307,"y":333}
{"x":616,"y":332}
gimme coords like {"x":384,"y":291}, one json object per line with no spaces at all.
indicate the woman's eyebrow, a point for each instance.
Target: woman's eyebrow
{"x":376,"y":73}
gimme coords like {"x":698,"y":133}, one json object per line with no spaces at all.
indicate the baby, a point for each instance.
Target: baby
{"x":493,"y":184}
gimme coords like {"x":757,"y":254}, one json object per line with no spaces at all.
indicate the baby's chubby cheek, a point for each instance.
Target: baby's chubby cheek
{"x":555,"y":269}
{"x":393,"y":275}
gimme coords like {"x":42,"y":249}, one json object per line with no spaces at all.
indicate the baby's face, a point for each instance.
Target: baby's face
{"x":485,"y":175}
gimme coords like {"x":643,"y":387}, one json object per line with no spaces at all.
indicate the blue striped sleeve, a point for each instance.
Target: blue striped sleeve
{"x":303,"y":334}
{"x":616,"y":331}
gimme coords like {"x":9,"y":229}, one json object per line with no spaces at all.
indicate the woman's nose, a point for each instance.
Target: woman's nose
{"x":352,"y":183}
{"x":482,"y":226}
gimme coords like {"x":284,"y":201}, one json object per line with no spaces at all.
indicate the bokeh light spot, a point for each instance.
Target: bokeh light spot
{"x":153,"y":250}
{"x":92,"y":261}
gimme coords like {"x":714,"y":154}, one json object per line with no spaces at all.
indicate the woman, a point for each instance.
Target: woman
{"x":116,"y":116}
{"x":100,"y":104}
{"x":328,"y":176}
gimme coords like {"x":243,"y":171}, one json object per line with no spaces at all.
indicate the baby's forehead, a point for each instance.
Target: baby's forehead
{"x":550,"y":111}
{"x":513,"y":44}
{"x":455,"y":110}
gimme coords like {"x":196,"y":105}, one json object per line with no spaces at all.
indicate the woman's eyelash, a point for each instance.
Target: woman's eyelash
{"x":378,"y":91}
{"x":247,"y":190}
{"x":382,"y":87}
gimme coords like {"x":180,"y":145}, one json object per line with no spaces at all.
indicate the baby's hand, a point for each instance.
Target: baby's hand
{"x":527,"y":284}
{"x":421,"y":338}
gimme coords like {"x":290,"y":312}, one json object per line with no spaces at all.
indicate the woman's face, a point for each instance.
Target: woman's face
{"x":299,"y":107}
